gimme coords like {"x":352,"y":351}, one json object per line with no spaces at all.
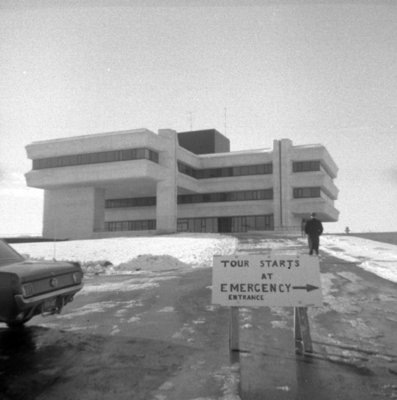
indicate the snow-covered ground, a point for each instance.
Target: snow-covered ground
{"x":376,"y":257}
{"x":127,"y":255}
{"x":140,"y":256}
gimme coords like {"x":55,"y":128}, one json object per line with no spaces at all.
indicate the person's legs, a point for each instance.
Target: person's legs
{"x":310,"y":242}
{"x":316,"y":243}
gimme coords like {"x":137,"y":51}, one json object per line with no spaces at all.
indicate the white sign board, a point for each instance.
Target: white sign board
{"x":266,"y":280}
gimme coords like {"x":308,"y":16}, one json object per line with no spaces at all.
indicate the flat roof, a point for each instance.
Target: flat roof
{"x":90,"y":135}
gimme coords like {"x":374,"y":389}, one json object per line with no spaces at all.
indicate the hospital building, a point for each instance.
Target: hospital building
{"x":138,"y":182}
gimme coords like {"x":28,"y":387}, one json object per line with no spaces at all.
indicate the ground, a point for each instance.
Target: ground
{"x":154,"y":334}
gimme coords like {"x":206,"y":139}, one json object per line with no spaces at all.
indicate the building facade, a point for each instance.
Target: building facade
{"x":140,"y":182}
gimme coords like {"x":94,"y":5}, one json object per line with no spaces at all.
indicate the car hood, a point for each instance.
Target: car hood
{"x":28,"y":270}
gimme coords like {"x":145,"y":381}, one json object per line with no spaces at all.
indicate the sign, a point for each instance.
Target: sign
{"x":266,"y":280}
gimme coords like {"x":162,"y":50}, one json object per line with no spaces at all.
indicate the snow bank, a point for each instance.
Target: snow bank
{"x":376,"y":257}
{"x":135,"y":253}
{"x":178,"y":251}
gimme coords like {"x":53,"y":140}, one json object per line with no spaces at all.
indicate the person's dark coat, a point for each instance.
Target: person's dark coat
{"x":314,"y":227}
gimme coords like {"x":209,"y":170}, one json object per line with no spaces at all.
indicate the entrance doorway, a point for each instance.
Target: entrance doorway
{"x":224,"y":224}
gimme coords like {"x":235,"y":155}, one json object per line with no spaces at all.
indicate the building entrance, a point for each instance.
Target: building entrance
{"x":224,"y":224}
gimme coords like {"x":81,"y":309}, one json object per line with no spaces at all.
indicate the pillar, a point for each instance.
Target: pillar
{"x":282,"y":170}
{"x":166,"y":191}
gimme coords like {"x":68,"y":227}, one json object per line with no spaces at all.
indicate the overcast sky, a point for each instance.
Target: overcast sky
{"x":315,"y":72}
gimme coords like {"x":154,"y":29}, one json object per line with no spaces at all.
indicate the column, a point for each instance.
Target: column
{"x":166,"y":192}
{"x":281,"y":183}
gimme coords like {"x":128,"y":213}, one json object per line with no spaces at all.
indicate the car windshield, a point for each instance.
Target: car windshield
{"x":8,"y":254}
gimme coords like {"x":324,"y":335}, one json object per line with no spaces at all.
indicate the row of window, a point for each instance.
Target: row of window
{"x":138,"y":225}
{"x":212,"y":224}
{"x":306,"y":192}
{"x":144,"y":153}
{"x":224,"y":172}
{"x":305,"y":166}
{"x":258,"y":169}
{"x":227,"y":224}
{"x":131,"y":202}
{"x":96,"y":158}
{"x":244,"y":195}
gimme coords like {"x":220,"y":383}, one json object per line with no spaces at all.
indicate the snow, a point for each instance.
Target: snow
{"x":132,"y":254}
{"x":181,"y":251}
{"x":376,"y":257}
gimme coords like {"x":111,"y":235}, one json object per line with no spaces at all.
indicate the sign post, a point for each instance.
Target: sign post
{"x":233,"y":329}
{"x":303,"y":340}
{"x":268,"y":280}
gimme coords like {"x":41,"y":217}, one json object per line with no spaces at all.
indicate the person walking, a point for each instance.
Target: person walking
{"x":313,"y":230}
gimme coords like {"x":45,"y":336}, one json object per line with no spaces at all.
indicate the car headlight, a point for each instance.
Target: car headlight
{"x":27,"y":289}
{"x":77,"y":277}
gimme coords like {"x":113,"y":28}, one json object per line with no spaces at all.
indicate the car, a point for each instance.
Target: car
{"x":29,"y":288}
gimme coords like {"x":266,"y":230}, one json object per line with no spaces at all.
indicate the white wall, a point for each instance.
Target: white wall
{"x":71,"y":212}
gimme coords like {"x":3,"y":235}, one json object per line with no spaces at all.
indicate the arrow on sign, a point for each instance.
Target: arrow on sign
{"x":308,"y":287}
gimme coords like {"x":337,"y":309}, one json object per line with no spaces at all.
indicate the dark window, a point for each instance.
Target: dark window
{"x":131,"y":202}
{"x":95,"y":158}
{"x":8,"y":254}
{"x":306,"y":192}
{"x":226,"y":224}
{"x":247,"y":195}
{"x":138,"y":225}
{"x":208,"y":173}
{"x":306,"y":166}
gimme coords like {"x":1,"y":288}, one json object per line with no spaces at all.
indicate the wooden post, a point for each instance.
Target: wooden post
{"x":303,"y":340}
{"x":234,"y":329}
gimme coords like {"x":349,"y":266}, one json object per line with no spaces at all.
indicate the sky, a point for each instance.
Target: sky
{"x":311,"y":71}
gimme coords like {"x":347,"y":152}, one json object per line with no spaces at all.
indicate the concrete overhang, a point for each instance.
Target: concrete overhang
{"x":224,"y":184}
{"x":95,"y":143}
{"x":315,"y":152}
{"x":325,"y":211}
{"x":95,"y":175}
{"x":313,"y":179}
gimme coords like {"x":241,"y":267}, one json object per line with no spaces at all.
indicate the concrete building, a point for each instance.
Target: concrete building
{"x":139,"y":182}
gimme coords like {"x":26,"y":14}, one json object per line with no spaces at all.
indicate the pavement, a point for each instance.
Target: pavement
{"x":353,"y":335}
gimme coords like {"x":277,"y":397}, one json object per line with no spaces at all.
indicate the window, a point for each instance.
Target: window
{"x":96,"y":158}
{"x":138,"y":225}
{"x":306,"y":166}
{"x":247,"y":195}
{"x":131,"y":202}
{"x":224,"y":172}
{"x":237,"y":224}
{"x":306,"y":192}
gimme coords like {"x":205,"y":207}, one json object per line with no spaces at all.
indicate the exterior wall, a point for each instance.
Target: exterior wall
{"x":236,"y":158}
{"x":125,"y":214}
{"x":73,"y":212}
{"x":75,"y":196}
{"x":207,"y":141}
{"x":94,"y":174}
